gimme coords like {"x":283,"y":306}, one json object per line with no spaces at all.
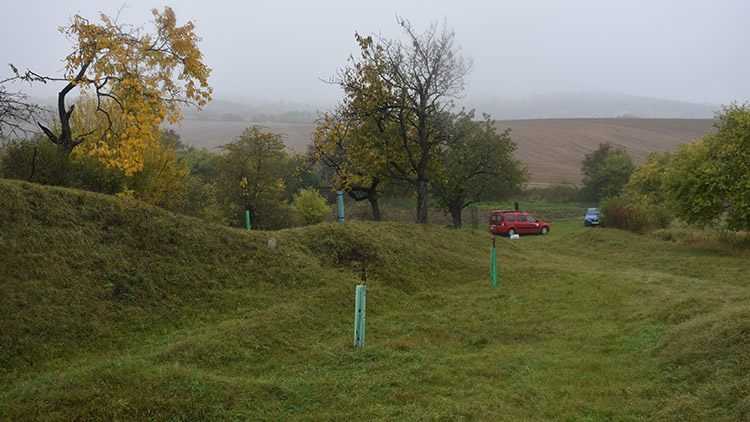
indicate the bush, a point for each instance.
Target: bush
{"x":40,"y":161}
{"x":35,"y":160}
{"x":637,"y":214}
{"x":310,"y":206}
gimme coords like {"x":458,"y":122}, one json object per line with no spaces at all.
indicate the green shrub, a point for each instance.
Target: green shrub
{"x":40,"y":161}
{"x":310,"y":206}
{"x":35,"y":160}
{"x":635,"y":213}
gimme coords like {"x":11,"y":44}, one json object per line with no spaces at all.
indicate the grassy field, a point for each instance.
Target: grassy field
{"x":113,"y":310}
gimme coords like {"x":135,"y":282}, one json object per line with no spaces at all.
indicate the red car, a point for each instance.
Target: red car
{"x":516,"y":222}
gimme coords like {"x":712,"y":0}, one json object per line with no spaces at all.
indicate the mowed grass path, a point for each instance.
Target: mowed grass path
{"x":586,"y":324}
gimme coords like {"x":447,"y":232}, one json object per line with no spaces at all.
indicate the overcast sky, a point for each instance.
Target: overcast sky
{"x":686,"y":50}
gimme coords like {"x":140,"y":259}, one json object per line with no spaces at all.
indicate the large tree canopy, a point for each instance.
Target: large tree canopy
{"x":400,"y":92}
{"x":711,"y":176}
{"x":148,"y":77}
{"x":250,"y":177}
{"x":605,"y":171}
{"x":340,"y":144}
{"x":475,"y":164}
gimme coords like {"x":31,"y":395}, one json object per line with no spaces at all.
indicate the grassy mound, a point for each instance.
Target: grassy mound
{"x":114,"y":310}
{"x":709,"y":357}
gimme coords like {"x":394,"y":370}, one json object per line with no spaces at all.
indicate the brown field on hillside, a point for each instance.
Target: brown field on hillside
{"x":552,"y":148}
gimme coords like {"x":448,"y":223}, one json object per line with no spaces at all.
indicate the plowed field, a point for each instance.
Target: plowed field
{"x":552,"y":148}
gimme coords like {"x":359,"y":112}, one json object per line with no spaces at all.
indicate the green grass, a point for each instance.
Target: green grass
{"x":112,"y":310}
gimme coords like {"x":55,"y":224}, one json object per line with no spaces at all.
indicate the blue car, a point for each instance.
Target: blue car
{"x":592,"y":218}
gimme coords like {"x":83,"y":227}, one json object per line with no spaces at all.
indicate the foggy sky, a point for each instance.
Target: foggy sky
{"x":685,"y":50}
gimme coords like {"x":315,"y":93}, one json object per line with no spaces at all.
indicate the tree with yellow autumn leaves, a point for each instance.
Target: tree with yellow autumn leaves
{"x":159,"y":177}
{"x":145,"y":78}
{"x":128,"y":81}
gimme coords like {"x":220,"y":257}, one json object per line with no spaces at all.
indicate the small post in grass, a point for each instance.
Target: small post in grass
{"x":247,"y":219}
{"x":493,"y":264}
{"x":359,"y":312}
{"x":340,"y":195}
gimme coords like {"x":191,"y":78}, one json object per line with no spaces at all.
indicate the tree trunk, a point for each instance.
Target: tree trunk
{"x":373,"y":198}
{"x":65,"y":140}
{"x":371,"y":194}
{"x":456,"y":214}
{"x":33,"y":166}
{"x":422,"y":200}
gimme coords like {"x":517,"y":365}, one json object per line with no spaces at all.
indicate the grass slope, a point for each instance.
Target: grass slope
{"x":113,"y":310}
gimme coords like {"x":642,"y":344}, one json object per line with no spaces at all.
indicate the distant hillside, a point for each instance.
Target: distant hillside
{"x":212,"y":133}
{"x":266,"y":111}
{"x":591,"y":105}
{"x":552,"y":148}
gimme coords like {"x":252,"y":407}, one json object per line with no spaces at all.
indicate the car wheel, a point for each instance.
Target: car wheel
{"x":511,"y":232}
{"x":545,"y":230}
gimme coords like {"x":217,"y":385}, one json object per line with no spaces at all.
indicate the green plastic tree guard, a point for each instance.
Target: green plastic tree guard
{"x":340,"y":196}
{"x":247,"y":220}
{"x":493,"y":264}
{"x":359,"y":316}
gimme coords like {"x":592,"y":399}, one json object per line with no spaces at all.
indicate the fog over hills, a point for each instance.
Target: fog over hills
{"x":257,"y":111}
{"x":585,"y":104}
{"x":589,"y":104}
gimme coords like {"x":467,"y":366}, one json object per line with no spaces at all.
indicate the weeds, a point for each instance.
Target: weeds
{"x":718,"y":241}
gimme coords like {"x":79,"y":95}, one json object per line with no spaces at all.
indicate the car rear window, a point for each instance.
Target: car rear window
{"x":511,"y":218}
{"x":496,"y":218}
